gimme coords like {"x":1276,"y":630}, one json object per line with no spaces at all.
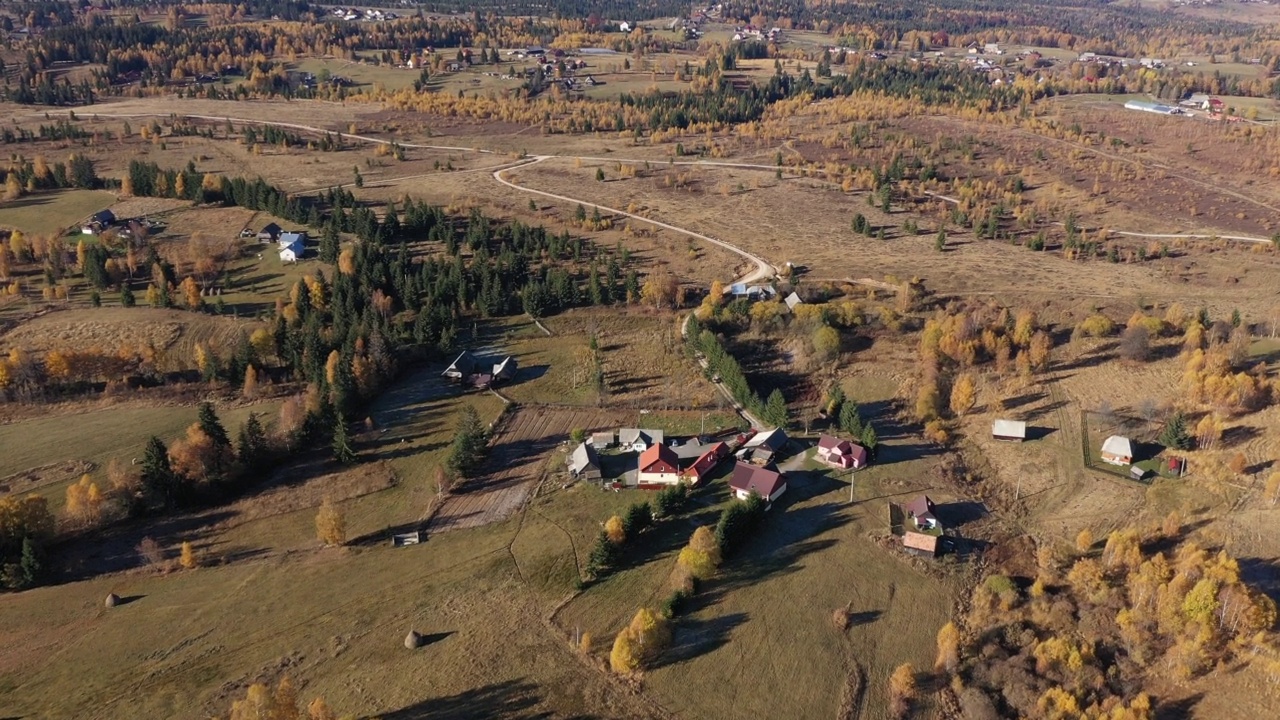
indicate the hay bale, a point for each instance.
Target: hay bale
{"x":413,"y":640}
{"x":112,"y":600}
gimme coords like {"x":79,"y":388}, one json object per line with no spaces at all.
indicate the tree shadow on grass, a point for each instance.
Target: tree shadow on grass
{"x":510,"y":700}
{"x":1262,"y":575}
{"x":1178,"y":709}
{"x":694,"y":637}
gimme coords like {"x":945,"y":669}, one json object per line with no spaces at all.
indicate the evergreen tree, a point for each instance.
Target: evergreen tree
{"x":251,"y":446}
{"x":850,"y":418}
{"x":159,"y":481}
{"x":775,"y":409}
{"x":212,"y":427}
{"x":126,"y":296}
{"x":342,"y":450}
{"x":329,"y":245}
{"x":29,"y":566}
{"x":1175,"y":434}
{"x":468,"y":444}
{"x":869,"y":439}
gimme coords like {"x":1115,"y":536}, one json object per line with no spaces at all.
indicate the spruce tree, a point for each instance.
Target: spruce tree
{"x":159,"y":481}
{"x":1175,"y":435}
{"x":251,"y":446}
{"x":329,"y":245}
{"x":212,"y":427}
{"x":776,"y":409}
{"x":29,"y":565}
{"x":342,"y":450}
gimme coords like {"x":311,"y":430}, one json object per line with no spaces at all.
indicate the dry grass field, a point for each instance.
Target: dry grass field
{"x":54,"y":211}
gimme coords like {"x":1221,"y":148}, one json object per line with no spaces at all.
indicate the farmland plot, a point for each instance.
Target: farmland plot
{"x":519,"y":455}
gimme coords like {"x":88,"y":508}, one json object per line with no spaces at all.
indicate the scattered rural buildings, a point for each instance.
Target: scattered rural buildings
{"x":584,"y":464}
{"x":658,"y":466}
{"x":765,"y":482}
{"x":841,"y":453}
{"x":919,"y":525}
{"x":1117,"y":450}
{"x":1009,"y":430}
{"x":478,"y":372}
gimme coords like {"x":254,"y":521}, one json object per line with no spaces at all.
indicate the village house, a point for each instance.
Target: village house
{"x":841,"y":453}
{"x":764,"y":447}
{"x":478,"y":372}
{"x":697,"y":460}
{"x":920,"y":512}
{"x":602,"y":440}
{"x":639,"y":440}
{"x":658,"y":466}
{"x":98,"y":222}
{"x":1117,"y":450}
{"x":584,"y":464}
{"x":269,"y":232}
{"x":292,"y":246}
{"x":1009,"y":430}
{"x":769,"y":484}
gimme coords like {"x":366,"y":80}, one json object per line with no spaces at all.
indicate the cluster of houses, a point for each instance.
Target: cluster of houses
{"x":917,"y":521}
{"x":751,"y":32}
{"x":97,"y":222}
{"x":105,"y":220}
{"x":481,"y":372}
{"x":367,"y":15}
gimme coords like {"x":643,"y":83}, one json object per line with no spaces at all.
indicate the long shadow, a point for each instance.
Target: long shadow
{"x":1017,"y":402}
{"x":509,"y":700}
{"x":695,"y":637}
{"x":1261,"y":574}
{"x":1044,"y":410}
{"x":1239,"y":435}
{"x":1166,"y":545}
{"x":1039,"y":432}
{"x":1179,"y":709}
{"x":958,"y":514}
{"x":115,"y":549}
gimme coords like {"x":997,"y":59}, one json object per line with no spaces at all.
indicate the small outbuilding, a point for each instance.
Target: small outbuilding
{"x":584,"y":464}
{"x":603,"y":440}
{"x":920,"y":543}
{"x":639,"y":439}
{"x":1009,"y":430}
{"x":762,"y":448}
{"x":1117,"y":450}
{"x":269,"y":233}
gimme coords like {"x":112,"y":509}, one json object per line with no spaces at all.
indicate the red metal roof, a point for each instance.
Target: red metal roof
{"x":658,"y":454}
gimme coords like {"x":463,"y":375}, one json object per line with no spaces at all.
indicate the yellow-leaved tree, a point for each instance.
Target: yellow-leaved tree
{"x":615,"y":531}
{"x":331,"y":526}
{"x":188,"y":557}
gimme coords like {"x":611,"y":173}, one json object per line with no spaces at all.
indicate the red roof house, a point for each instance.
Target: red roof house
{"x":841,"y":453}
{"x":658,"y":466}
{"x":706,"y":462}
{"x":746,"y":479}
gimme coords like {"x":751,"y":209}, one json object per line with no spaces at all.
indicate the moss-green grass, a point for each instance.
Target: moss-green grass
{"x":51,"y":212}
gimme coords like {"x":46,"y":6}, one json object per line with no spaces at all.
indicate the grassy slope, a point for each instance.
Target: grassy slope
{"x":54,"y":211}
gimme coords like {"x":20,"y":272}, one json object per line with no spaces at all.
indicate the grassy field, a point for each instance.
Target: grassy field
{"x":96,"y":437}
{"x":51,"y":212}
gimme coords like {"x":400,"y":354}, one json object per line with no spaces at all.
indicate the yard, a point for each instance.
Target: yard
{"x":54,"y":211}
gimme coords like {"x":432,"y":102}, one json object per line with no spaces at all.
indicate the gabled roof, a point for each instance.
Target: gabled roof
{"x":104,"y":216}
{"x":583,"y":457}
{"x":752,"y":478}
{"x":290,"y":238}
{"x":920,"y":541}
{"x":630,"y":436}
{"x":507,"y":363}
{"x":1009,"y":428}
{"x":773,"y":440}
{"x":919,"y":506}
{"x":604,"y":437}
{"x":270,"y":228}
{"x":792,"y":301}
{"x":1117,"y":445}
{"x":827,"y":442}
{"x":464,"y":363}
{"x":706,"y":461}
{"x":657,"y":453}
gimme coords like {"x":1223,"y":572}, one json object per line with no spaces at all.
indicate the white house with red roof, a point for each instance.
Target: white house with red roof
{"x":658,"y":466}
{"x":841,"y":453}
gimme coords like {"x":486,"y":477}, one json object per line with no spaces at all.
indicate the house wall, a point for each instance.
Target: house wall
{"x":664,"y":478}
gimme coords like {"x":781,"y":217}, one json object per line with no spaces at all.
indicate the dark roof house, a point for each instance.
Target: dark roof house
{"x":583,"y":463}
{"x":765,"y":482}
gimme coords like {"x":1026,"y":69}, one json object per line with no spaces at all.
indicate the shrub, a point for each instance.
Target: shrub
{"x":1097,"y":325}
{"x":736,"y":520}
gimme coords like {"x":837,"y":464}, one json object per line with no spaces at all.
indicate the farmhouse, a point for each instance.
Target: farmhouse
{"x":269,"y":233}
{"x":98,"y":222}
{"x":751,"y":292}
{"x":479,"y":372}
{"x":1117,"y":450}
{"x":1009,"y":430}
{"x":841,"y":453}
{"x":920,"y":511}
{"x":762,"y":448}
{"x":658,"y":466}
{"x":584,"y":464}
{"x":747,"y":479}
{"x":292,"y":246}
{"x":638,"y":439}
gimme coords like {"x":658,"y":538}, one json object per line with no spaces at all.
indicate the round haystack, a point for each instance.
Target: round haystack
{"x":413,"y":640}
{"x":112,"y":600}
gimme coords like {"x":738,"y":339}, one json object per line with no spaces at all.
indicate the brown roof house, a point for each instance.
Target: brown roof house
{"x":584,"y":464}
{"x":920,"y":525}
{"x":841,"y":453}
{"x":765,"y":482}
